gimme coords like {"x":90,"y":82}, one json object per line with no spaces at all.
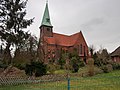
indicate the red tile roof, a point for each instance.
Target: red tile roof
{"x":63,"y":40}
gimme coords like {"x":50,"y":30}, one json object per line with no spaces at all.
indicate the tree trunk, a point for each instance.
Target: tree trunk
{"x":7,"y":55}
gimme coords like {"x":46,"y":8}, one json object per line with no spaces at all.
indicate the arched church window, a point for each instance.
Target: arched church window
{"x":48,"y":29}
{"x":84,"y":49}
{"x":80,"y":48}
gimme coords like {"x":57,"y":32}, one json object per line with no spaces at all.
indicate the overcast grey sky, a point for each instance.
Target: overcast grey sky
{"x":99,"y":20}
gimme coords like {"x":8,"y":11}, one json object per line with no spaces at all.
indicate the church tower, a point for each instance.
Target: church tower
{"x":46,"y":26}
{"x":46,"y":30}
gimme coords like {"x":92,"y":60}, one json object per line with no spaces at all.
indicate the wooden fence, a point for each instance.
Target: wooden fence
{"x":28,"y":80}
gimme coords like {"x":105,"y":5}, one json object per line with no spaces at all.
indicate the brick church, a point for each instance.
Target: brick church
{"x":52,"y":43}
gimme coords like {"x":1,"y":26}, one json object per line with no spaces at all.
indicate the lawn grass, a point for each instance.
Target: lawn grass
{"x":60,"y":72}
{"x":106,"y":81}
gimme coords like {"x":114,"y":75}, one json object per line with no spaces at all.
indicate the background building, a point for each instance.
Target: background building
{"x":115,"y":55}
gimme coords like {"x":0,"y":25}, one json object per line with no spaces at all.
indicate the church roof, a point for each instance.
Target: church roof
{"x":116,"y":52}
{"x":64,"y":40}
{"x":46,"y":17}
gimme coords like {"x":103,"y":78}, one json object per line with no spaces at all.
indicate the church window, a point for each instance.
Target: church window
{"x":48,"y":29}
{"x":84,"y":49}
{"x":80,"y":48}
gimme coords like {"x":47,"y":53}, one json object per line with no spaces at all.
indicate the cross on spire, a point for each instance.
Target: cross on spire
{"x":46,"y":1}
{"x":46,"y":17}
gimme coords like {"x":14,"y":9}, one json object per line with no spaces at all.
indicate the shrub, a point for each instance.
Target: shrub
{"x":97,"y":70}
{"x":81,"y":63}
{"x":67,"y":67}
{"x":51,"y":68}
{"x":75,"y":67}
{"x":20,"y":66}
{"x":91,"y":67}
{"x":3,"y":66}
{"x":57,"y":67}
{"x":28,"y":70}
{"x":38,"y":68}
{"x":107,"y":68}
{"x":75,"y":64}
{"x":116,"y":66}
{"x":61,"y":63}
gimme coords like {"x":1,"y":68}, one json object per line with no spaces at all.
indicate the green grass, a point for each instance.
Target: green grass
{"x":106,"y":81}
{"x":60,"y":72}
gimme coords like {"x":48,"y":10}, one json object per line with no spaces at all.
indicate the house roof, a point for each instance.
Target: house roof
{"x":64,"y":40}
{"x":46,"y":17}
{"x":116,"y":52}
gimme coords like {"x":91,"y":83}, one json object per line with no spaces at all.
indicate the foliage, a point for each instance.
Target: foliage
{"x":63,"y":58}
{"x":91,"y":67}
{"x":75,"y":64}
{"x":116,"y":66}
{"x":75,"y":61}
{"x":20,"y":66}
{"x":92,"y":50}
{"x":101,"y":58}
{"x":31,"y":44}
{"x":68,"y":67}
{"x":12,"y":23}
{"x":74,"y":53}
{"x":29,"y":70}
{"x":38,"y":68}
{"x":61,"y":71}
{"x":97,"y":60}
{"x":28,"y":51}
{"x":61,"y":61}
{"x":51,"y":68}
{"x":107,"y":68}
{"x":81,"y":63}
{"x":2,"y":65}
{"x":84,"y":71}
{"x":104,"y":56}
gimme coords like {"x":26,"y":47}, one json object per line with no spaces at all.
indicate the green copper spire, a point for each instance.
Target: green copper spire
{"x":46,"y":18}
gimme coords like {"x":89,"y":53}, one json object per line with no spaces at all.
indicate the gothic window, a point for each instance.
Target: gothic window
{"x":80,"y":48}
{"x":84,"y":49}
{"x":48,"y":29}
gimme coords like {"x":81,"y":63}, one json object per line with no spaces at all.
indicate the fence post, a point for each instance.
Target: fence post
{"x":68,"y":82}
